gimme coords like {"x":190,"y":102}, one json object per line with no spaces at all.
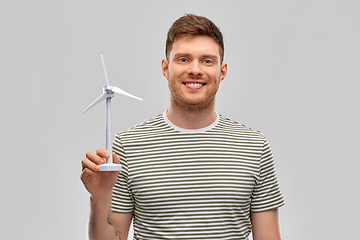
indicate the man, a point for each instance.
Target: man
{"x":188,"y":173}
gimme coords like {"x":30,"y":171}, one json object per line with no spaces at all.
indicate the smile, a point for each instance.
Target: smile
{"x":194,"y":85}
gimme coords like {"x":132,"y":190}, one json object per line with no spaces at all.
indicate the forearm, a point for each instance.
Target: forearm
{"x":101,"y":224}
{"x":266,"y":225}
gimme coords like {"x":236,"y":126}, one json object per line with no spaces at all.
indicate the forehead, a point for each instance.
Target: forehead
{"x":196,"y":46}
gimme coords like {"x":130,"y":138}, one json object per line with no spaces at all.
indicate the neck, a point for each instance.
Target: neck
{"x":191,"y":118}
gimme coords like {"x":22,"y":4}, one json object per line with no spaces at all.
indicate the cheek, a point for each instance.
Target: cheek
{"x":176,"y":74}
{"x":171,"y":73}
{"x":216,"y":75}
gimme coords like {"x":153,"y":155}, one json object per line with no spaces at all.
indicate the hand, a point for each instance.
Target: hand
{"x":98,"y":184}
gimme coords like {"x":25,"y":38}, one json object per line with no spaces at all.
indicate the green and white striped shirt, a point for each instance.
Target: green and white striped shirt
{"x":194,"y":184}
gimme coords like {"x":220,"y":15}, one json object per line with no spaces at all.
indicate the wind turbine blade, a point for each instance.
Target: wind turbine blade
{"x":118,"y":90}
{"x":99,"y":99}
{"x":105,"y":78}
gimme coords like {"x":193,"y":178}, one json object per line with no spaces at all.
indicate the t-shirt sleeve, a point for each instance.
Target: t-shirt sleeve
{"x":122,"y":201}
{"x":267,"y":194}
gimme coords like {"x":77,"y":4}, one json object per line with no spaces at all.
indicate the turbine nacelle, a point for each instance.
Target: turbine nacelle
{"x":109,"y":90}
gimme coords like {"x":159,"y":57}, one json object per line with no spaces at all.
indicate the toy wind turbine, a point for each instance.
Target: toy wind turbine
{"x":108,"y":93}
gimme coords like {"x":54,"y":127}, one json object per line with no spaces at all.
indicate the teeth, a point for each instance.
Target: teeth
{"x":194,"y":84}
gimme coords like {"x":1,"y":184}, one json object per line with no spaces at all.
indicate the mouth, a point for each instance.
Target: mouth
{"x":194,"y":84}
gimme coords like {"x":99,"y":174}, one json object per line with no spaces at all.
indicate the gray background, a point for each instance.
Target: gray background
{"x":293,"y":74}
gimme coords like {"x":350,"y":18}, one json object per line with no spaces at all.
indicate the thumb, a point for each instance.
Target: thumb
{"x":116,"y":159}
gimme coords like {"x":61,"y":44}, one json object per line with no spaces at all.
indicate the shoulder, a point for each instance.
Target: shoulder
{"x":151,"y":126}
{"x":228,"y":126}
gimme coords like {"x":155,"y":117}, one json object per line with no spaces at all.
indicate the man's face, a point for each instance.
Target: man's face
{"x":194,"y":72}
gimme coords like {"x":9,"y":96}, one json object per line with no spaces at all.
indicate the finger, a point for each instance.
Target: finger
{"x":102,"y":153}
{"x":116,"y":158}
{"x":87,"y":163}
{"x":95,"y":158}
{"x":87,"y":175}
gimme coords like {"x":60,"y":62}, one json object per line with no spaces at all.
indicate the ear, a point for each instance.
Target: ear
{"x":165,"y":68}
{"x":223,"y":71}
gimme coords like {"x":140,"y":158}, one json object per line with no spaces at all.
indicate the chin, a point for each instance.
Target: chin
{"x":197,"y":105}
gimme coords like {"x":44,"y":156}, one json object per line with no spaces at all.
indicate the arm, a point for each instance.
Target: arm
{"x":122,"y":222}
{"x":99,"y":184}
{"x":105,"y":224}
{"x":265,"y":225}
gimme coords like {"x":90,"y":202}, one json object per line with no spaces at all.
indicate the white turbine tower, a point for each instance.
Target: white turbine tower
{"x":108,"y":93}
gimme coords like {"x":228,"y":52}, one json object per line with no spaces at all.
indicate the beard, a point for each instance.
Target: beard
{"x":196,"y":102}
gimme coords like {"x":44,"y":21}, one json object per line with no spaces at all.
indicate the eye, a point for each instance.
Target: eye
{"x":208,"y":61}
{"x":183,"y":60}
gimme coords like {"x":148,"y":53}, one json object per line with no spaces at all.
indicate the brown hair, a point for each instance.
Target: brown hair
{"x":193,"y":25}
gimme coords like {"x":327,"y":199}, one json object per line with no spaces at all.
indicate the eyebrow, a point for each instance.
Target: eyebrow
{"x":181,"y":55}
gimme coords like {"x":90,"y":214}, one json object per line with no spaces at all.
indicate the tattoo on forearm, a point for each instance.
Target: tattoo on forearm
{"x":111,"y":223}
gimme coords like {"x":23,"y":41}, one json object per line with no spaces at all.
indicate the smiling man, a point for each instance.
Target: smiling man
{"x":188,"y":173}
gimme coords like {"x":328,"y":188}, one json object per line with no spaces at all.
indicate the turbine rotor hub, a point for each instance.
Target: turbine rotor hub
{"x":109,"y":90}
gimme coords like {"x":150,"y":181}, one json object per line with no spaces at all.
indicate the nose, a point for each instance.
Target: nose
{"x":195,"y":69}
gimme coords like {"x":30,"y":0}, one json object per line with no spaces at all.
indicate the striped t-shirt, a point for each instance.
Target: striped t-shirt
{"x":194,"y":184}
